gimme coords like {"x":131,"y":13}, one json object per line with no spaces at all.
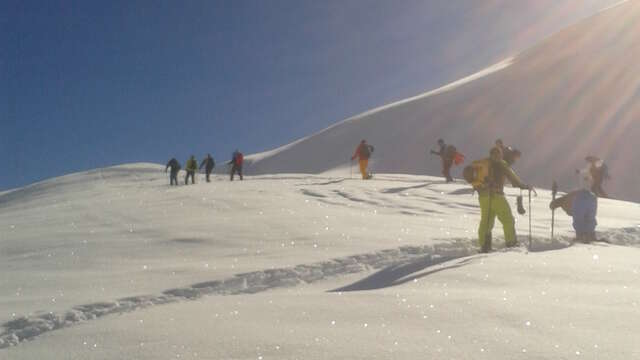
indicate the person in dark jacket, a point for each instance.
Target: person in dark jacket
{"x":447,"y":154}
{"x":236,"y":163}
{"x":175,"y":168}
{"x":363,"y":153}
{"x":191,"y":168}
{"x":208,"y":164}
{"x":511,"y":155}
{"x":599,"y":173}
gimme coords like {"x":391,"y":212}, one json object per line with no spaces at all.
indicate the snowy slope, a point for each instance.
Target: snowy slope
{"x":573,"y":95}
{"x":205,"y":271}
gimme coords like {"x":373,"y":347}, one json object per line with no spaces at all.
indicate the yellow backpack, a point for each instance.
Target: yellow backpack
{"x":477,"y":173}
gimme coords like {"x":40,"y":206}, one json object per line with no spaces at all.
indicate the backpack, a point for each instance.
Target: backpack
{"x":458,"y":158}
{"x":477,"y":173}
{"x":365,"y":151}
{"x":450,"y":152}
{"x":239,"y":158}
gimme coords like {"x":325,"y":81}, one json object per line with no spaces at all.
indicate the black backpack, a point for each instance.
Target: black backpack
{"x":365,"y":151}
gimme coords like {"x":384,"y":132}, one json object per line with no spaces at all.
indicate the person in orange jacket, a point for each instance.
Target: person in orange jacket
{"x":363,"y":152}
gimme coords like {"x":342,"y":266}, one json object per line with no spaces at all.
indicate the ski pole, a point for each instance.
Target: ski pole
{"x":351,"y":169}
{"x":529,"y":219}
{"x":554,"y":191}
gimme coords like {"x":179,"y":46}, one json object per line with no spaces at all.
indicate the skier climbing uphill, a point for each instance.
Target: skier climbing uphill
{"x":488,"y":177}
{"x":582,"y":205}
{"x":174,"y":165}
{"x":449,"y":155}
{"x":363,"y":153}
{"x":191,"y":168}
{"x":236,"y":164}
{"x":209,"y":164}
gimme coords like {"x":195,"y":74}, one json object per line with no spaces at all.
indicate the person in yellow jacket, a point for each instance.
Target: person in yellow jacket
{"x":191,"y":168}
{"x":494,"y":204}
{"x":363,"y":153}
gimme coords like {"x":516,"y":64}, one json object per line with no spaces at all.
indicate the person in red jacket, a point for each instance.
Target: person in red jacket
{"x":236,"y":164}
{"x":363,"y":152}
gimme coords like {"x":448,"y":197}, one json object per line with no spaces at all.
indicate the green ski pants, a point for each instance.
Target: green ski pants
{"x":500,"y":208}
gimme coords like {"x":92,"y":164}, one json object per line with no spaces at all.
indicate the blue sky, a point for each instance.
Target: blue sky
{"x":87,"y":84}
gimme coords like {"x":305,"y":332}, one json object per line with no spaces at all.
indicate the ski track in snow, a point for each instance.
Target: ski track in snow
{"x":401,"y":262}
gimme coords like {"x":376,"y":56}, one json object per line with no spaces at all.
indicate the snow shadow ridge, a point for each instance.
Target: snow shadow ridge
{"x":407,"y":188}
{"x":28,"y":327}
{"x":400,"y":274}
{"x":397,"y":266}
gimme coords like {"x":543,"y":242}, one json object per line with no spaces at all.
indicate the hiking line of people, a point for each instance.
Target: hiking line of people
{"x":488,"y":176}
{"x":208,"y":163}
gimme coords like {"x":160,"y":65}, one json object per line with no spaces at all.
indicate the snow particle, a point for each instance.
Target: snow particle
{"x":596,"y":257}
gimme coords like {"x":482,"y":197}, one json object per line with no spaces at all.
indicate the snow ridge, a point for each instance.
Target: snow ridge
{"x":29,"y":327}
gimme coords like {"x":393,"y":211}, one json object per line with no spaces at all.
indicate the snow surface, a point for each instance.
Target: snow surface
{"x":302,"y":266}
{"x":575,"y":92}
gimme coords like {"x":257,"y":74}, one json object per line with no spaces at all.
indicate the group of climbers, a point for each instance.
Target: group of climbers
{"x":208,"y":163}
{"x":488,"y":177}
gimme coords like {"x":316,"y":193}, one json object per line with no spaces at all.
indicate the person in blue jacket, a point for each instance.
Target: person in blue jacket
{"x":584,"y":210}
